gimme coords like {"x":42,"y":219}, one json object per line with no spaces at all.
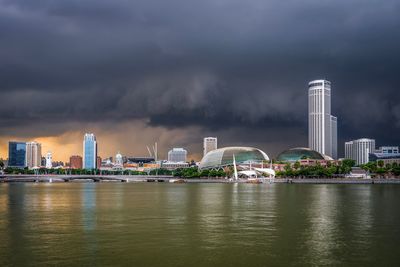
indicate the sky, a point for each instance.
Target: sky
{"x":173,"y":72}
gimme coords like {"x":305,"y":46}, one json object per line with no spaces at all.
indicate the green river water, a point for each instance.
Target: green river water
{"x":161,"y":224}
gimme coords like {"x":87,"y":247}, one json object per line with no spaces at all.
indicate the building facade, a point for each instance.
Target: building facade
{"x":75,"y":162}
{"x":98,"y":162}
{"x":174,"y":165}
{"x":177,"y":155}
{"x":348,"y":150}
{"x":209,"y":144}
{"x":119,"y":162}
{"x":89,"y":151}
{"x":388,"y":150}
{"x":33,"y":154}
{"x":322,"y":126}
{"x":17,"y":154}
{"x":334,"y":137}
{"x":49,"y":160}
{"x":359,"y":150}
{"x":387,"y":158}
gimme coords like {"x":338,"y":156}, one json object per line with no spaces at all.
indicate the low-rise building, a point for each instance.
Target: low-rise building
{"x":177,"y":155}
{"x":168,"y":165}
{"x":387,"y":158}
{"x":388,"y":150}
{"x":75,"y":162}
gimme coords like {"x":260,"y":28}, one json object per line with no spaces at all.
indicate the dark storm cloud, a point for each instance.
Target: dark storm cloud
{"x":214,"y":64}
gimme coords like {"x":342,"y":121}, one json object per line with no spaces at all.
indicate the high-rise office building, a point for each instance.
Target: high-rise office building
{"x":17,"y":154}
{"x":89,"y":151}
{"x":177,"y":155}
{"x":322,"y":126}
{"x":75,"y":162}
{"x":348,"y":150}
{"x":209,"y":144}
{"x":49,"y":160}
{"x":334,"y":137}
{"x":33,"y":154}
{"x":359,"y":150}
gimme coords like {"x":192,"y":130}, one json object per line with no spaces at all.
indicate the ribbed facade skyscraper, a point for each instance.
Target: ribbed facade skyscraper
{"x":359,"y":150}
{"x":33,"y":154}
{"x":322,"y":126}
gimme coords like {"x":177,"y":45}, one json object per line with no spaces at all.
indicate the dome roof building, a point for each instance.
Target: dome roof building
{"x":224,"y":157}
{"x":301,"y":153}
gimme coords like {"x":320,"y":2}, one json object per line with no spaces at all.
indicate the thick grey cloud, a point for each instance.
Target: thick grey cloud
{"x":215,"y":65}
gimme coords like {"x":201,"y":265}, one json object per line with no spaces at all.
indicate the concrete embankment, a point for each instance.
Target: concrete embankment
{"x":145,"y":178}
{"x":338,"y":181}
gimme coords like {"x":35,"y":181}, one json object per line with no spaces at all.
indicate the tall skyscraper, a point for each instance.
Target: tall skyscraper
{"x":17,"y":154}
{"x":49,"y":160}
{"x":359,"y":150}
{"x":177,"y":155}
{"x":33,"y":154}
{"x":348,"y":150}
{"x":322,"y":126}
{"x":334,"y":136}
{"x":89,"y":151}
{"x":209,"y":144}
{"x":75,"y":162}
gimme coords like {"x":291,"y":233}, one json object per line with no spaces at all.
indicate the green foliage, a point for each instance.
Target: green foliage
{"x":371,"y":166}
{"x":381,"y":163}
{"x":194,"y":172}
{"x":161,"y":172}
{"x":298,"y":170}
{"x":344,"y":167}
{"x":296,"y":165}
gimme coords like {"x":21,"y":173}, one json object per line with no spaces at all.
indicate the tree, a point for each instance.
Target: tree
{"x":296,"y":165}
{"x":346,"y":165}
{"x":381,"y":163}
{"x":1,"y":164}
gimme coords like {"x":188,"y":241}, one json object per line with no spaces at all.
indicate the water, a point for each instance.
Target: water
{"x":150,"y":224}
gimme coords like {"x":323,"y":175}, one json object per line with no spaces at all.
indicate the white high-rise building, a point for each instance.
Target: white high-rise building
{"x":49,"y":160}
{"x":359,"y":150}
{"x":33,"y":154}
{"x":177,"y":155}
{"x":348,"y":150}
{"x":322,"y":126}
{"x":209,"y":144}
{"x":334,"y":136}
{"x":89,"y":151}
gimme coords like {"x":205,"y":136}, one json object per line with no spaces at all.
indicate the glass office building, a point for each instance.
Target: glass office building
{"x":17,"y":154}
{"x":89,"y":151}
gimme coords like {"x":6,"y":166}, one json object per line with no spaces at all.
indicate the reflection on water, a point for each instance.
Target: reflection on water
{"x":91,"y":224}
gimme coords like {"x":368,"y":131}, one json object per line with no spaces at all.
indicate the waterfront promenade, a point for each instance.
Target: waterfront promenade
{"x":5,"y":178}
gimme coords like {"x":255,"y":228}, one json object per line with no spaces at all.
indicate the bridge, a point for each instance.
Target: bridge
{"x":94,"y":178}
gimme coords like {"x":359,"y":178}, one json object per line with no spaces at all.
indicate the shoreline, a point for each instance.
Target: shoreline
{"x":170,"y":179}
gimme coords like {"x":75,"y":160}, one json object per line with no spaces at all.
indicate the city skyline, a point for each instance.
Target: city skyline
{"x":153,"y":78}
